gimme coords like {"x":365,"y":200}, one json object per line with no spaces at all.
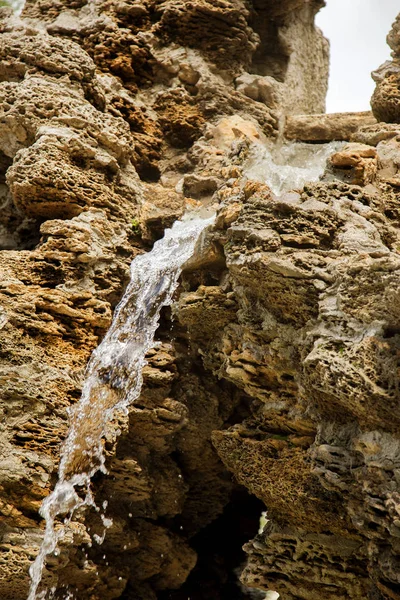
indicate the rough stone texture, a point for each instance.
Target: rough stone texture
{"x":373,"y":134}
{"x":113,"y":118}
{"x":290,"y":63}
{"x":278,"y":362}
{"x":326,"y":127}
{"x":314,"y":343}
{"x":308,"y":53}
{"x":354,"y":163}
{"x":281,"y":552}
{"x":385,"y":101}
{"x":70,"y":177}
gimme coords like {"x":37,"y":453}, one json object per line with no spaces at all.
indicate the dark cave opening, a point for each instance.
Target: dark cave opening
{"x":220,"y":554}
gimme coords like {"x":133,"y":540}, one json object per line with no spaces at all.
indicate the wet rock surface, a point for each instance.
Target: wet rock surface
{"x":276,"y":371}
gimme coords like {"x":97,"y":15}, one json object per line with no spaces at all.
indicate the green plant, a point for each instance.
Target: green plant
{"x":134,"y":223}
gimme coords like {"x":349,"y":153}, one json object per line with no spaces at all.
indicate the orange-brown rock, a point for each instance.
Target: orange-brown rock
{"x":326,"y":127}
{"x":385,"y":101}
{"x":94,"y":99}
{"x":360,"y":159}
{"x":275,"y":370}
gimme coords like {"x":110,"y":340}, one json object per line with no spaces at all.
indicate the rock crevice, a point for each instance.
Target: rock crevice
{"x":274,"y":380}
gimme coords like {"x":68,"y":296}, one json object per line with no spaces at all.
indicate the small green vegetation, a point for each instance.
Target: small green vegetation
{"x":134,"y":223}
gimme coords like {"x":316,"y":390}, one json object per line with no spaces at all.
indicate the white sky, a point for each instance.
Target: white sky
{"x":357,"y":31}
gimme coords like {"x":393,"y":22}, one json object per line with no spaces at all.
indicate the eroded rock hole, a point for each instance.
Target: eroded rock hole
{"x":220,"y":555}
{"x":148,"y":172}
{"x":17,"y":232}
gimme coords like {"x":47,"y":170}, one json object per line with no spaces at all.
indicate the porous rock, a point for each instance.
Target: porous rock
{"x":385,"y":101}
{"x":313,"y":338}
{"x":278,"y":363}
{"x":327,"y":127}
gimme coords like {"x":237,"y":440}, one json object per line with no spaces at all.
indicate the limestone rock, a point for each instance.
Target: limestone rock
{"x":308,"y":61}
{"x":304,"y":279}
{"x":385,"y":101}
{"x":293,"y":552}
{"x":210,"y":26}
{"x":277,"y":364}
{"x":327,"y":127}
{"x":373,"y":134}
{"x":356,"y":162}
{"x":264,"y":89}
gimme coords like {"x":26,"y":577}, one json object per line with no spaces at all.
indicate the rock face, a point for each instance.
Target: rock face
{"x":104,"y":109}
{"x":278,"y":362}
{"x":385,"y":101}
{"x":326,"y":127}
{"x":314,"y":343}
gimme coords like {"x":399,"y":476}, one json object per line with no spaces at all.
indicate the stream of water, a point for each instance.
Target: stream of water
{"x":114,"y":373}
{"x":114,"y":379}
{"x":289,"y":166}
{"x":16,"y":5}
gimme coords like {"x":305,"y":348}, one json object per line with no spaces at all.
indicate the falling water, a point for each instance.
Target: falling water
{"x":114,"y":379}
{"x":114,"y":373}
{"x":16,"y":5}
{"x":289,"y":166}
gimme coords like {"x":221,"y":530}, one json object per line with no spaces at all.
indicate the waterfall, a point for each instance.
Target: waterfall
{"x":114,"y":372}
{"x":114,"y":378}
{"x":16,"y":5}
{"x":289,"y":166}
